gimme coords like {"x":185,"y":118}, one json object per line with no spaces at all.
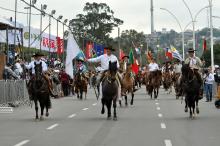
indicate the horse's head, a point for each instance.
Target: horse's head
{"x":113,"y":69}
{"x":38,"y":70}
{"x":187,"y":72}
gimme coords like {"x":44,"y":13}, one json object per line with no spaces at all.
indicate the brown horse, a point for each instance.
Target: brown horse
{"x":80,"y":84}
{"x":40,"y":91}
{"x":128,"y":83}
{"x":154,"y":83}
{"x":110,"y":90}
{"x":167,"y":81}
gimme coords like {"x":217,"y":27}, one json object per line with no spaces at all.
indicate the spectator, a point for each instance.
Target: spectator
{"x":17,"y":68}
{"x":65,"y":82}
{"x":208,"y":79}
{"x":8,"y":72}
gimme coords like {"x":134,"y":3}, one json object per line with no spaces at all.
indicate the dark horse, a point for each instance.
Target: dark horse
{"x":80,"y":85}
{"x":154,"y":82}
{"x":110,"y":90}
{"x":40,"y":91}
{"x":191,"y":85}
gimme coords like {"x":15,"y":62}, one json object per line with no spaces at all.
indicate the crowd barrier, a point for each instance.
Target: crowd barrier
{"x":13,"y":92}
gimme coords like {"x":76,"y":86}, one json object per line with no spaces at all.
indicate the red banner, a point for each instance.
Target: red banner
{"x":89,"y":48}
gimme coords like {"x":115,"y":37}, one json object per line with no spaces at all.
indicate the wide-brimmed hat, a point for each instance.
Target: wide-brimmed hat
{"x":125,"y":56}
{"x":80,"y":59}
{"x":109,"y":48}
{"x":38,"y":54}
{"x":191,"y":50}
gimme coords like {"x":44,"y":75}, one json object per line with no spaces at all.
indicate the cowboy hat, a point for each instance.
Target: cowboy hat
{"x":80,"y":59}
{"x":125,"y":56}
{"x":191,"y":50}
{"x":38,"y":54}
{"x":109,"y":48}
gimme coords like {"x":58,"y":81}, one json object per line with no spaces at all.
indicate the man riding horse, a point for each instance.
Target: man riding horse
{"x":31,"y":65}
{"x":195,"y":64}
{"x":104,"y":60}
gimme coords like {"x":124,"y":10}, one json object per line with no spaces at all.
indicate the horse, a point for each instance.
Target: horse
{"x":191,"y":89}
{"x":110,"y":90}
{"x":176,"y":79}
{"x":128,"y":84}
{"x":40,"y":91}
{"x":80,"y":85}
{"x":138,"y":80}
{"x":167,"y":81}
{"x":154,"y":82}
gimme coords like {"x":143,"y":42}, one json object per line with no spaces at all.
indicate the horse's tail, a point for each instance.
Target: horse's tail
{"x":48,"y":103}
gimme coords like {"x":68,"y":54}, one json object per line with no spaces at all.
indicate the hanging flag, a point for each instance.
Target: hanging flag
{"x":204,"y":46}
{"x":59,"y":48}
{"x":71,"y":53}
{"x":89,"y":48}
{"x":121,"y":54}
{"x":135,"y":67}
{"x":138,"y":51}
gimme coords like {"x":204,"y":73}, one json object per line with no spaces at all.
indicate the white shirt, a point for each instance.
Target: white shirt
{"x":18,"y":68}
{"x":209,"y":79}
{"x":177,"y":68}
{"x":31,"y":66}
{"x":104,"y":59}
{"x":153,"y":67}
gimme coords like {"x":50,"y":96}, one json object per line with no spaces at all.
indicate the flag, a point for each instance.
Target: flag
{"x":59,"y":45}
{"x":169,"y":53}
{"x":131,"y":57}
{"x":138,"y":51}
{"x":149,"y":56}
{"x":121,"y":54}
{"x":71,"y":53}
{"x":204,"y":46}
{"x":135,"y":67}
{"x":175,"y":53}
{"x":89,"y":48}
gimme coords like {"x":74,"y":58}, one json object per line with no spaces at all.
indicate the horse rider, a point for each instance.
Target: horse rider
{"x":104,"y":60}
{"x":124,"y":63}
{"x":153,"y":67}
{"x":31,"y":65}
{"x":81,"y":68}
{"x":195,"y":63}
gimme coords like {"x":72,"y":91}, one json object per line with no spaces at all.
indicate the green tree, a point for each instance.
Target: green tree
{"x":98,"y":21}
{"x":207,"y":55}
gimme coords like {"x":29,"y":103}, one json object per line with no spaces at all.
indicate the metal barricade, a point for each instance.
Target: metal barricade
{"x":13,"y":91}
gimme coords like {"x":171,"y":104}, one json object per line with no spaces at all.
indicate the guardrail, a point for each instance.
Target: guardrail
{"x":13,"y":92}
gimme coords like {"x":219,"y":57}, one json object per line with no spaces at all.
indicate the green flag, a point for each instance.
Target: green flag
{"x":131,"y":57}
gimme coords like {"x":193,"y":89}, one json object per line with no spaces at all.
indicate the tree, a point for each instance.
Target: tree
{"x":207,"y":55}
{"x":98,"y":21}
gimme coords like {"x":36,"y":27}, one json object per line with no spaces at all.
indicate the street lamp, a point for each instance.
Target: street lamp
{"x":15,"y":27}
{"x":43,"y":7}
{"x":50,"y":15}
{"x":211,"y":35}
{"x":64,"y":23}
{"x":141,"y":55}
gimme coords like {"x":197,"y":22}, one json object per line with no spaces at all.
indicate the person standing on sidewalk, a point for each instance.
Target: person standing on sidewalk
{"x":208,"y":80}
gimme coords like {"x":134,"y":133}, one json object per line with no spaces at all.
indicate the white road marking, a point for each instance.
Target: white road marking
{"x":85,"y":109}
{"x":163,"y":126}
{"x":160,"y":115}
{"x":168,"y":142}
{"x":71,"y":116}
{"x":52,"y":126}
{"x":22,"y":143}
{"x":94,"y":104}
{"x":157,"y":103}
{"x":158,"y":108}
{"x":6,"y":110}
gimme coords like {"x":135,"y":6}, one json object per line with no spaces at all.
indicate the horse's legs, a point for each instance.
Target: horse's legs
{"x":190,"y":113}
{"x":42,"y":110}
{"x":81,"y":94}
{"x":103,"y":106}
{"x":126,"y":100}
{"x":114,"y":106}
{"x":186,"y":106}
{"x":155,"y":94}
{"x":132,"y":98}
{"x":109,"y":105}
{"x":197,"y":106}
{"x":36,"y":108}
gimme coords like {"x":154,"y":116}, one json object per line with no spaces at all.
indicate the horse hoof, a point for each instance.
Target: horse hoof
{"x":186,"y":110}
{"x":109,"y":118}
{"x":47,"y":114}
{"x":197,"y":110}
{"x":41,"y":118}
{"x":115,"y":118}
{"x":103,"y":111}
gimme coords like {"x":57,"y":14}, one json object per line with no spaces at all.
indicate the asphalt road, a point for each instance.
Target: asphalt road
{"x":72,"y":122}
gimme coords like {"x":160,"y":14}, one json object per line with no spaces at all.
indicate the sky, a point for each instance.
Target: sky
{"x":134,"y":13}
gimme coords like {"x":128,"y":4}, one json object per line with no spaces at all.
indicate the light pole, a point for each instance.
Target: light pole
{"x":211,"y":35}
{"x":141,"y":55}
{"x":29,"y":28}
{"x":15,"y":27}
{"x":50,"y":15}
{"x":64,"y":23}
{"x":58,"y":20}
{"x":43,"y":7}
